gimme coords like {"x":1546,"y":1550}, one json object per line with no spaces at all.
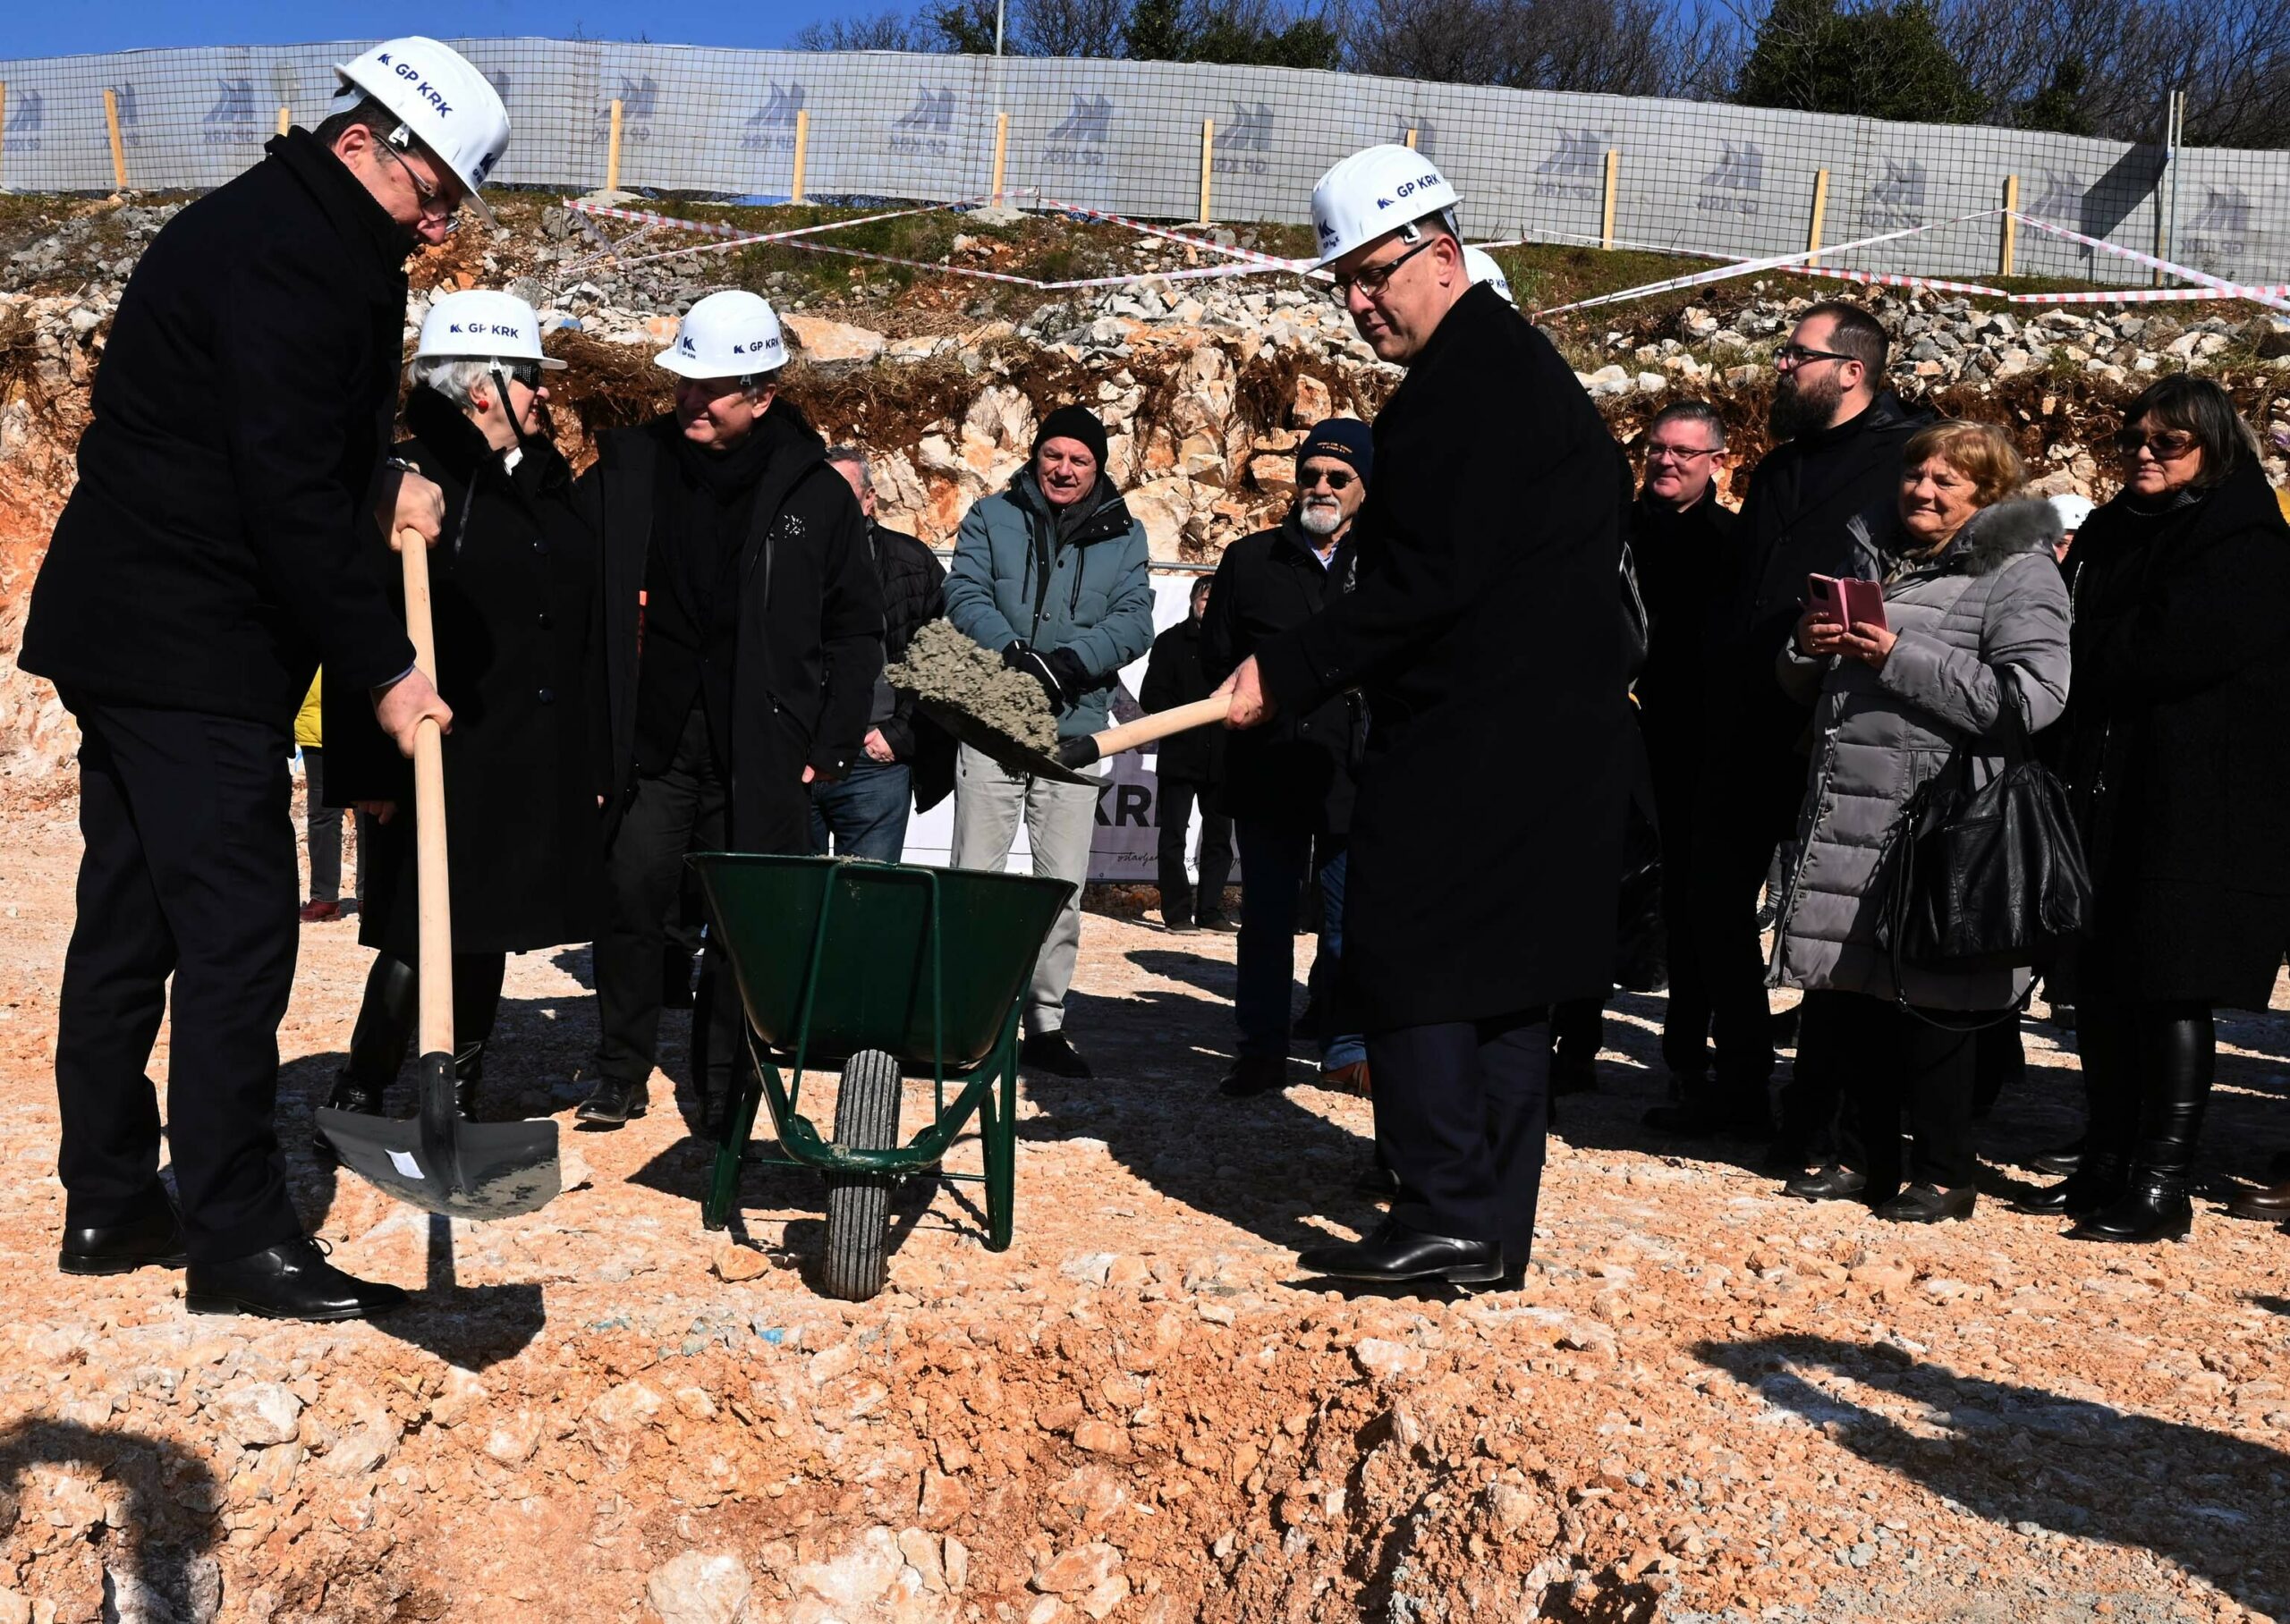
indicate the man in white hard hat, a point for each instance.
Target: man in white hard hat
{"x":2072,"y":510}
{"x":742,"y":629}
{"x":1484,"y":633}
{"x":214,"y":549}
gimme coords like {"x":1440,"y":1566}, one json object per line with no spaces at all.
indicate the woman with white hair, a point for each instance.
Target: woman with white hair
{"x":512,"y":587}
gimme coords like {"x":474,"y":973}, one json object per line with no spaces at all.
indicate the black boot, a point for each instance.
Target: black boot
{"x":2068,"y":1159}
{"x":2097,"y":1181}
{"x":385,"y":1015}
{"x":468,"y":1071}
{"x":2177,"y":1050}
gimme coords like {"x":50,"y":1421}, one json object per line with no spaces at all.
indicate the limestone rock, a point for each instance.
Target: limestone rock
{"x":260,"y":1414}
{"x":700,"y":1587}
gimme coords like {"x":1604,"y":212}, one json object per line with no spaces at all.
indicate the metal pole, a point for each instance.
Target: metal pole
{"x":999,"y":7}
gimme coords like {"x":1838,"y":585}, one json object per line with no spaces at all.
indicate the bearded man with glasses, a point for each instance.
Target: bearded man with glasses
{"x":1288,"y":785}
{"x":1824,"y":500}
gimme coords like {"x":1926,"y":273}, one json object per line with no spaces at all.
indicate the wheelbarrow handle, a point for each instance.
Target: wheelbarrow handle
{"x":434,"y":889}
{"x":1145,"y":730}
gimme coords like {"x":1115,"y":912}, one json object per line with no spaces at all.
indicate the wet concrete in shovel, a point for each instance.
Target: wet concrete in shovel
{"x":944,"y":666}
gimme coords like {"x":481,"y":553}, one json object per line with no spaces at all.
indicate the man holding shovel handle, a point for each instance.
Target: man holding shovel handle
{"x":210,"y":554}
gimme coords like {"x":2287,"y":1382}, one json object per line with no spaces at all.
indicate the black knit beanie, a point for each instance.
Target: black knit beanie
{"x":1074,"y":423}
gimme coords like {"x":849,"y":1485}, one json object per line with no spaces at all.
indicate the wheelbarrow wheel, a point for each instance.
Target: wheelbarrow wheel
{"x":859,"y":1205}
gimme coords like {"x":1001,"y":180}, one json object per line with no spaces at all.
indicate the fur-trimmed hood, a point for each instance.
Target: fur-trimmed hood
{"x":1994,"y":536}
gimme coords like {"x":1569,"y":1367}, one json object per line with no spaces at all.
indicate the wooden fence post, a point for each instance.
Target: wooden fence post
{"x":802,"y":146}
{"x":612,"y":151}
{"x":2011,"y":226}
{"x":1605,"y":213}
{"x":1411,"y":139}
{"x":118,"y":147}
{"x":285,"y":118}
{"x":1001,"y":152}
{"x":3,"y":134}
{"x":1821,"y":212}
{"x":1208,"y":161}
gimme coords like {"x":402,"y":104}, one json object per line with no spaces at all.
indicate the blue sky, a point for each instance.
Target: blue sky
{"x":34,"y":29}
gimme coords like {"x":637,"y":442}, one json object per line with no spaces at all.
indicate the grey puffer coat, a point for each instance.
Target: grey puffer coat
{"x":1980,"y":660}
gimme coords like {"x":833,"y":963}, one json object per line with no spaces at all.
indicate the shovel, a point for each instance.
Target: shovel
{"x":436,"y":1161}
{"x":1073,"y":754}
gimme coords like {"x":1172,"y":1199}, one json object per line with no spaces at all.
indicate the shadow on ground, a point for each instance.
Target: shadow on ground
{"x":154,"y":1564}
{"x":2018,"y":1455}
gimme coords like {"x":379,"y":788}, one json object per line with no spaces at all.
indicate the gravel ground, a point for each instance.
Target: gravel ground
{"x":1709,"y":1403}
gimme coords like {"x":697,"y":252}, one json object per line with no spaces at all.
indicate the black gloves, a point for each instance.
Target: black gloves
{"x":1060,"y":672}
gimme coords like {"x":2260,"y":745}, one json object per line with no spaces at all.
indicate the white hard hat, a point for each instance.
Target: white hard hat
{"x":2072,"y":510}
{"x":446,"y":103}
{"x":1375,"y":192}
{"x":482,"y":325}
{"x":729,"y":334}
{"x":1481,"y":268}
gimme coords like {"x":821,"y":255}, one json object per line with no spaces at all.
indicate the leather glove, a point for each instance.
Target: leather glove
{"x":1021,"y":655}
{"x":1072,"y":675}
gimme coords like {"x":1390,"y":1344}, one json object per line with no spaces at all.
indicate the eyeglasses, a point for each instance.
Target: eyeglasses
{"x":1682,"y":454}
{"x":2165,"y":444}
{"x":1790,"y":357}
{"x":433,"y":199}
{"x":1373,"y":279}
{"x":1335,"y":478}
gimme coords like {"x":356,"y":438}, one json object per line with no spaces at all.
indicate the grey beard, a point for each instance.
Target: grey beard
{"x":1321,"y":518}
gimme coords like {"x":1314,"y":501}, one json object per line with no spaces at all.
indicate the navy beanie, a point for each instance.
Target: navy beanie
{"x":1347,"y":439}
{"x":1074,"y":423}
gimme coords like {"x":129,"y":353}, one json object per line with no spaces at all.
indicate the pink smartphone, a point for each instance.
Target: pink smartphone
{"x":1847,"y":601}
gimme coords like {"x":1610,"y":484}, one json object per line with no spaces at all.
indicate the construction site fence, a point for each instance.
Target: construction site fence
{"x":1189,"y":141}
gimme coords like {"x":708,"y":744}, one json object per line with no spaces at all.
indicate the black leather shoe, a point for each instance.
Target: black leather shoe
{"x":1829,"y":1184}
{"x":1699,"y":1119}
{"x":2152,"y":1209}
{"x":2059,"y":1163}
{"x":610,"y":1104}
{"x":1929,"y":1204}
{"x":152,"y":1241}
{"x":1054,"y":1053}
{"x":1254,"y":1074}
{"x":2098,"y":1183}
{"x":1177,"y":925}
{"x":1395,"y":1254}
{"x":1219,"y":923}
{"x":289,"y":1281}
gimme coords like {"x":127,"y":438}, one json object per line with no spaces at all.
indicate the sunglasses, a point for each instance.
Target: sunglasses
{"x":2167,"y":444}
{"x":1373,"y":279}
{"x":1794,"y":356}
{"x":1335,"y":479}
{"x":527,"y":372}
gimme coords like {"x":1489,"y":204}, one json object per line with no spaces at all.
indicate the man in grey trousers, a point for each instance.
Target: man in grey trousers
{"x":1051,"y":573}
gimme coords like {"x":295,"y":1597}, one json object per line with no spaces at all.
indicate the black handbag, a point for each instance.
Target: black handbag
{"x":1985,"y":879}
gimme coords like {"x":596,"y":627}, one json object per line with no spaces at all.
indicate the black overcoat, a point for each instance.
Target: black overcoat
{"x":1485,"y":633}
{"x":513,"y":599}
{"x":1295,"y":771}
{"x":2179,"y":752}
{"x":1175,"y":673}
{"x":914,"y":593}
{"x":809,"y":639}
{"x":219,"y":540}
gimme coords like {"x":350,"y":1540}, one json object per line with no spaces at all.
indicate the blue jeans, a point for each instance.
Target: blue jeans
{"x":865,"y":812}
{"x":1275,"y":862}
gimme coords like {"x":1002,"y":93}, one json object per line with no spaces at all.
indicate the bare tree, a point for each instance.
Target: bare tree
{"x":883,"y":31}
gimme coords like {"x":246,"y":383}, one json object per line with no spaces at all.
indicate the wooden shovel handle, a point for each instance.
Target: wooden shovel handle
{"x":434,"y":887}
{"x":1160,"y":724}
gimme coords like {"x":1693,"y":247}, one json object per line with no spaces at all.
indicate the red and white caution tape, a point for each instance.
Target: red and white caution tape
{"x":1752,"y":267}
{"x":2273,"y":296}
{"x":1886,"y":279}
{"x":1270,"y":262}
{"x":2143,"y":296}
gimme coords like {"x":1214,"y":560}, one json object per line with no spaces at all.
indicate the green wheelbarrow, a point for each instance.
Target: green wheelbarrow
{"x":875,"y":967}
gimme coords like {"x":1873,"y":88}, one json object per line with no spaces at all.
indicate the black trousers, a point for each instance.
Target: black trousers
{"x":1175,"y":813}
{"x":189,"y":871}
{"x":1672,"y":758}
{"x":681,"y":810}
{"x":1729,"y":851}
{"x":322,"y":825}
{"x":1461,"y":1111}
{"x":391,"y":1007}
{"x":1887,"y":1060}
{"x":1577,"y":1034}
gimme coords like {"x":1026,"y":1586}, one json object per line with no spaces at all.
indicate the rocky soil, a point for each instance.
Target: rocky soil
{"x":1709,"y":1403}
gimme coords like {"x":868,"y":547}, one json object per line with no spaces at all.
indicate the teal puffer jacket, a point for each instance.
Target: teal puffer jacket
{"x":1016,"y":578}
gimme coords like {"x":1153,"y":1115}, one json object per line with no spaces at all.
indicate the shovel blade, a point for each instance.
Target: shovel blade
{"x":999,"y":747}
{"x":506,"y":1169}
